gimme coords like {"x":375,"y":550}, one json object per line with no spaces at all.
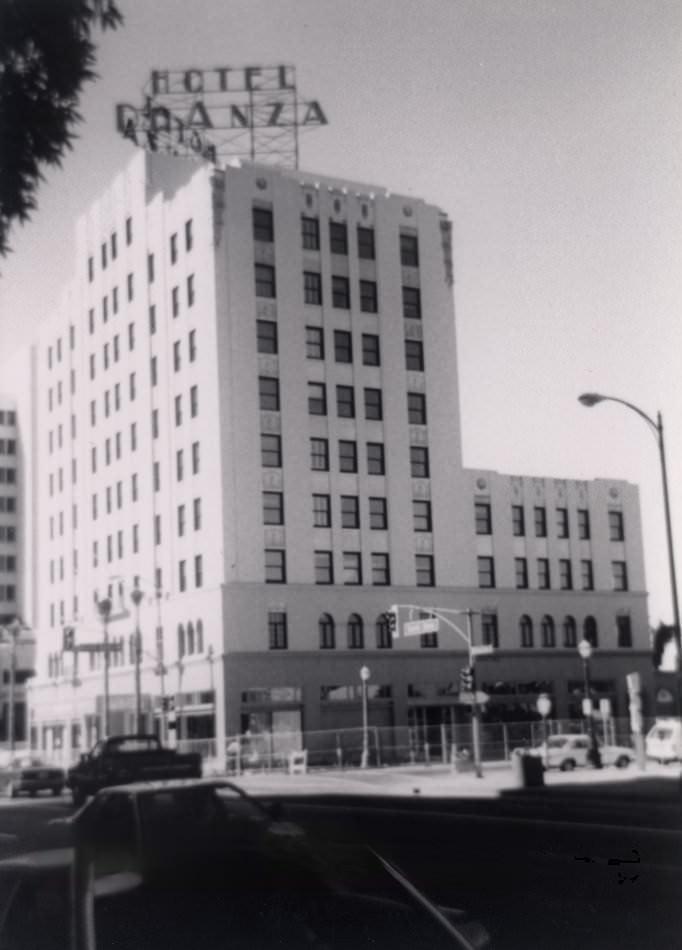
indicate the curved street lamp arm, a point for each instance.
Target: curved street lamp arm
{"x":656,"y":426}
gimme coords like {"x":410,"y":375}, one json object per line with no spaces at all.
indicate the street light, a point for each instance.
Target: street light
{"x":13,"y":629}
{"x":364,"y":677}
{"x":104,"y":608}
{"x":591,"y":399}
{"x":544,"y":705}
{"x":136,"y":596}
{"x":585,"y":651}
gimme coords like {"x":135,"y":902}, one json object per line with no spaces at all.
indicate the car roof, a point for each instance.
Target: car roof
{"x":173,"y":784}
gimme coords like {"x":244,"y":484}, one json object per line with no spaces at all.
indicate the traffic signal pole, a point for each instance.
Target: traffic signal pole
{"x":475,"y":708}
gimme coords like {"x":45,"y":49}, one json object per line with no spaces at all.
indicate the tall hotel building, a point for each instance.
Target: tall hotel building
{"x":247,"y":406}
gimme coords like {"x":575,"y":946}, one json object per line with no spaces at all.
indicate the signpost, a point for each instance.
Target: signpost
{"x":417,"y":628}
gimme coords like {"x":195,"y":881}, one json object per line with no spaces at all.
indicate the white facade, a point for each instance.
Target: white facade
{"x":211,"y":314}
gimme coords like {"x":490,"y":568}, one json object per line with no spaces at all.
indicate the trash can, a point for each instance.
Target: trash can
{"x":528,"y":770}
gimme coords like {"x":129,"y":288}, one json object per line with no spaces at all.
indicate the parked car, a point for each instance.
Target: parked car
{"x":131,"y":758}
{"x":664,"y":741}
{"x":30,"y":774}
{"x":171,"y":865}
{"x":565,"y":751}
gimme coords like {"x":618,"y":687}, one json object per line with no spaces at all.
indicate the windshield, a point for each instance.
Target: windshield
{"x":556,"y":743}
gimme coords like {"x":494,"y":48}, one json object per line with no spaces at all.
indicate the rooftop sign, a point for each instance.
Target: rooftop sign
{"x":226,"y":112}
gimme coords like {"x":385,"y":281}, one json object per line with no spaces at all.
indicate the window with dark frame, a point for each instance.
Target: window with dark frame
{"x":416,"y":409}
{"x":173,"y":248}
{"x":352,"y":568}
{"x":366,"y":244}
{"x":324,"y":567}
{"x":348,"y":456}
{"x":355,"y":632}
{"x":570,"y":632}
{"x":314,"y":341}
{"x":518,"y":521}
{"x":373,"y":404}
{"x":277,"y":630}
{"x":547,"y":631}
{"x":273,"y":507}
{"x":526,"y":631}
{"x":483,"y":517}
{"x":345,"y":402}
{"x":616,"y":526}
{"x":544,"y":581}
{"x":486,"y":571}
{"x":412,"y":303}
{"x":312,"y":288}
{"x":275,"y":566}
{"x":327,"y":632}
{"x":540,"y":516}
{"x":419,"y":461}
{"x":414,"y":356}
{"x":381,"y":577}
{"x":263,"y":225}
{"x":375,"y":458}
{"x":409,"y":250}
{"x":350,"y":511}
{"x":562,"y":522}
{"x":338,"y":237}
{"x":343,"y":346}
{"x":369,"y":299}
{"x":378,"y":514}
{"x":521,"y":571}
{"x":425,"y":570}
{"x":264,"y":275}
{"x":586,"y":575}
{"x":310,"y":233}
{"x":421,"y":515}
{"x":489,"y":628}
{"x":317,"y":399}
{"x":620,"y":575}
{"x":370,"y":350}
{"x":322,"y":511}
{"x":340,"y":292}
{"x":624,"y":628}
{"x":583,"y":524}
{"x":271,"y":450}
{"x":266,"y":335}
{"x":565,"y":574}
{"x":319,"y":455}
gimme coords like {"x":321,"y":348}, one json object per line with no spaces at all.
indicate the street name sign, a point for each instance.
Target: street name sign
{"x":484,"y":650}
{"x":417,"y":628}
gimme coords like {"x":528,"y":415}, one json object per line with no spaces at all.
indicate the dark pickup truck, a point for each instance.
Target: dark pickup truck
{"x":120,"y":760}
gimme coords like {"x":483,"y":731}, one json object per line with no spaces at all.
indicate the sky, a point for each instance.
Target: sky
{"x":550,"y":131}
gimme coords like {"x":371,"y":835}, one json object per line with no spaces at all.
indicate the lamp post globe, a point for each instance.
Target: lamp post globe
{"x":585,"y":651}
{"x":544,"y":706}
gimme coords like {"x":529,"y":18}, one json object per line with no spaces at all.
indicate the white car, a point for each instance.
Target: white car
{"x":664,"y":741}
{"x":566,"y":751}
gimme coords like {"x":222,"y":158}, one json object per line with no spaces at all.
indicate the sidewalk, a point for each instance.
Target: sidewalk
{"x":657,"y":782}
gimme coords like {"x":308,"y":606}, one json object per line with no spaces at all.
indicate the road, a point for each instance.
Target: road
{"x":562,"y":871}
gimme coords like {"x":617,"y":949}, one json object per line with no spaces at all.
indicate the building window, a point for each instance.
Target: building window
{"x":325,"y":626}
{"x":547,"y":631}
{"x":369,"y":300}
{"x":486,"y":572}
{"x":366,"y":250}
{"x":91,"y":269}
{"x":416,"y":409}
{"x":521,"y":570}
{"x":540,"y":514}
{"x":176,"y":356}
{"x":175,"y":301}
{"x":154,"y":376}
{"x":314,"y":341}
{"x":191,"y":295}
{"x":131,"y":387}
{"x":130,"y":286}
{"x":196,"y":512}
{"x":378,"y":516}
{"x":173,"y":248}
{"x":518,"y":521}
{"x":543,"y":573}
{"x":624,"y":628}
{"x":350,"y":511}
{"x":265,"y":280}
{"x":526,"y":631}
{"x":150,"y":268}
{"x":157,"y":529}
{"x":131,"y":336}
{"x":277,"y":630}
{"x":424,"y":565}
{"x":178,"y":410}
{"x":310,"y":233}
{"x":273,"y":507}
{"x":419,"y":461}
{"x":129,"y":231}
{"x":189,"y":236}
{"x":268,"y":393}
{"x":586,"y":575}
{"x":414,"y":355}
{"x":319,"y":455}
{"x":343,"y":346}
{"x":370,"y":350}
{"x":583,"y":524}
{"x":590,"y":631}
{"x":322,"y":511}
{"x":565,"y":574}
{"x":489,"y":628}
{"x":263,"y":225}
{"x":317,"y":399}
{"x":271,"y":451}
{"x":266,"y":336}
{"x":340,"y":293}
{"x":352,"y":568}
{"x":355,"y":632}
{"x":275,"y":566}
{"x":312,"y":287}
{"x":105,"y":309}
{"x":155,"y":423}
{"x":570,"y":632}
{"x":338,"y":237}
{"x":616,"y":526}
{"x":195,"y":458}
{"x":483,"y":517}
{"x":324,"y":567}
{"x":381,"y":575}
{"x":198,"y":571}
{"x":192,"y":342}
{"x":156,"y":476}
{"x":348,"y":456}
{"x":375,"y":458}
{"x":133,"y":440}
{"x":421,"y":515}
{"x":181,"y":521}
{"x":562,"y":522}
{"x":409,"y":250}
{"x":152,"y":320}
{"x":345,"y":402}
{"x":373,"y":404}
{"x":620,"y":575}
{"x":412,"y":306}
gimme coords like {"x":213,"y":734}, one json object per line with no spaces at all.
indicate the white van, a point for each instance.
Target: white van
{"x":664,"y":740}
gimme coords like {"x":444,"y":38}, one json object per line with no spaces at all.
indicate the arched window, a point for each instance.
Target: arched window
{"x":356,"y":633}
{"x":590,"y":631}
{"x":547,"y":631}
{"x":200,"y":637}
{"x":383,"y":633}
{"x":570,"y":632}
{"x":526,"y":631}
{"x":327,"y":631}
{"x":190,"y":638}
{"x":181,"y":640}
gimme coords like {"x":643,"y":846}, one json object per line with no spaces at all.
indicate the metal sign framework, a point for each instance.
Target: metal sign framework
{"x":251,"y":112}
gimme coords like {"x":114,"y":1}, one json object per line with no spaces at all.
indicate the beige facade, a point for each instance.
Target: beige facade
{"x":247,"y":403}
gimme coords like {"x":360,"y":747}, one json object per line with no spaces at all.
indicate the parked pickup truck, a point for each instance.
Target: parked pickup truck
{"x":120,"y":760}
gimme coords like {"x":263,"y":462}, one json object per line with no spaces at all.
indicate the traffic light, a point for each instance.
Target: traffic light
{"x":68,"y":639}
{"x":391,"y":616}
{"x":467,"y":679}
